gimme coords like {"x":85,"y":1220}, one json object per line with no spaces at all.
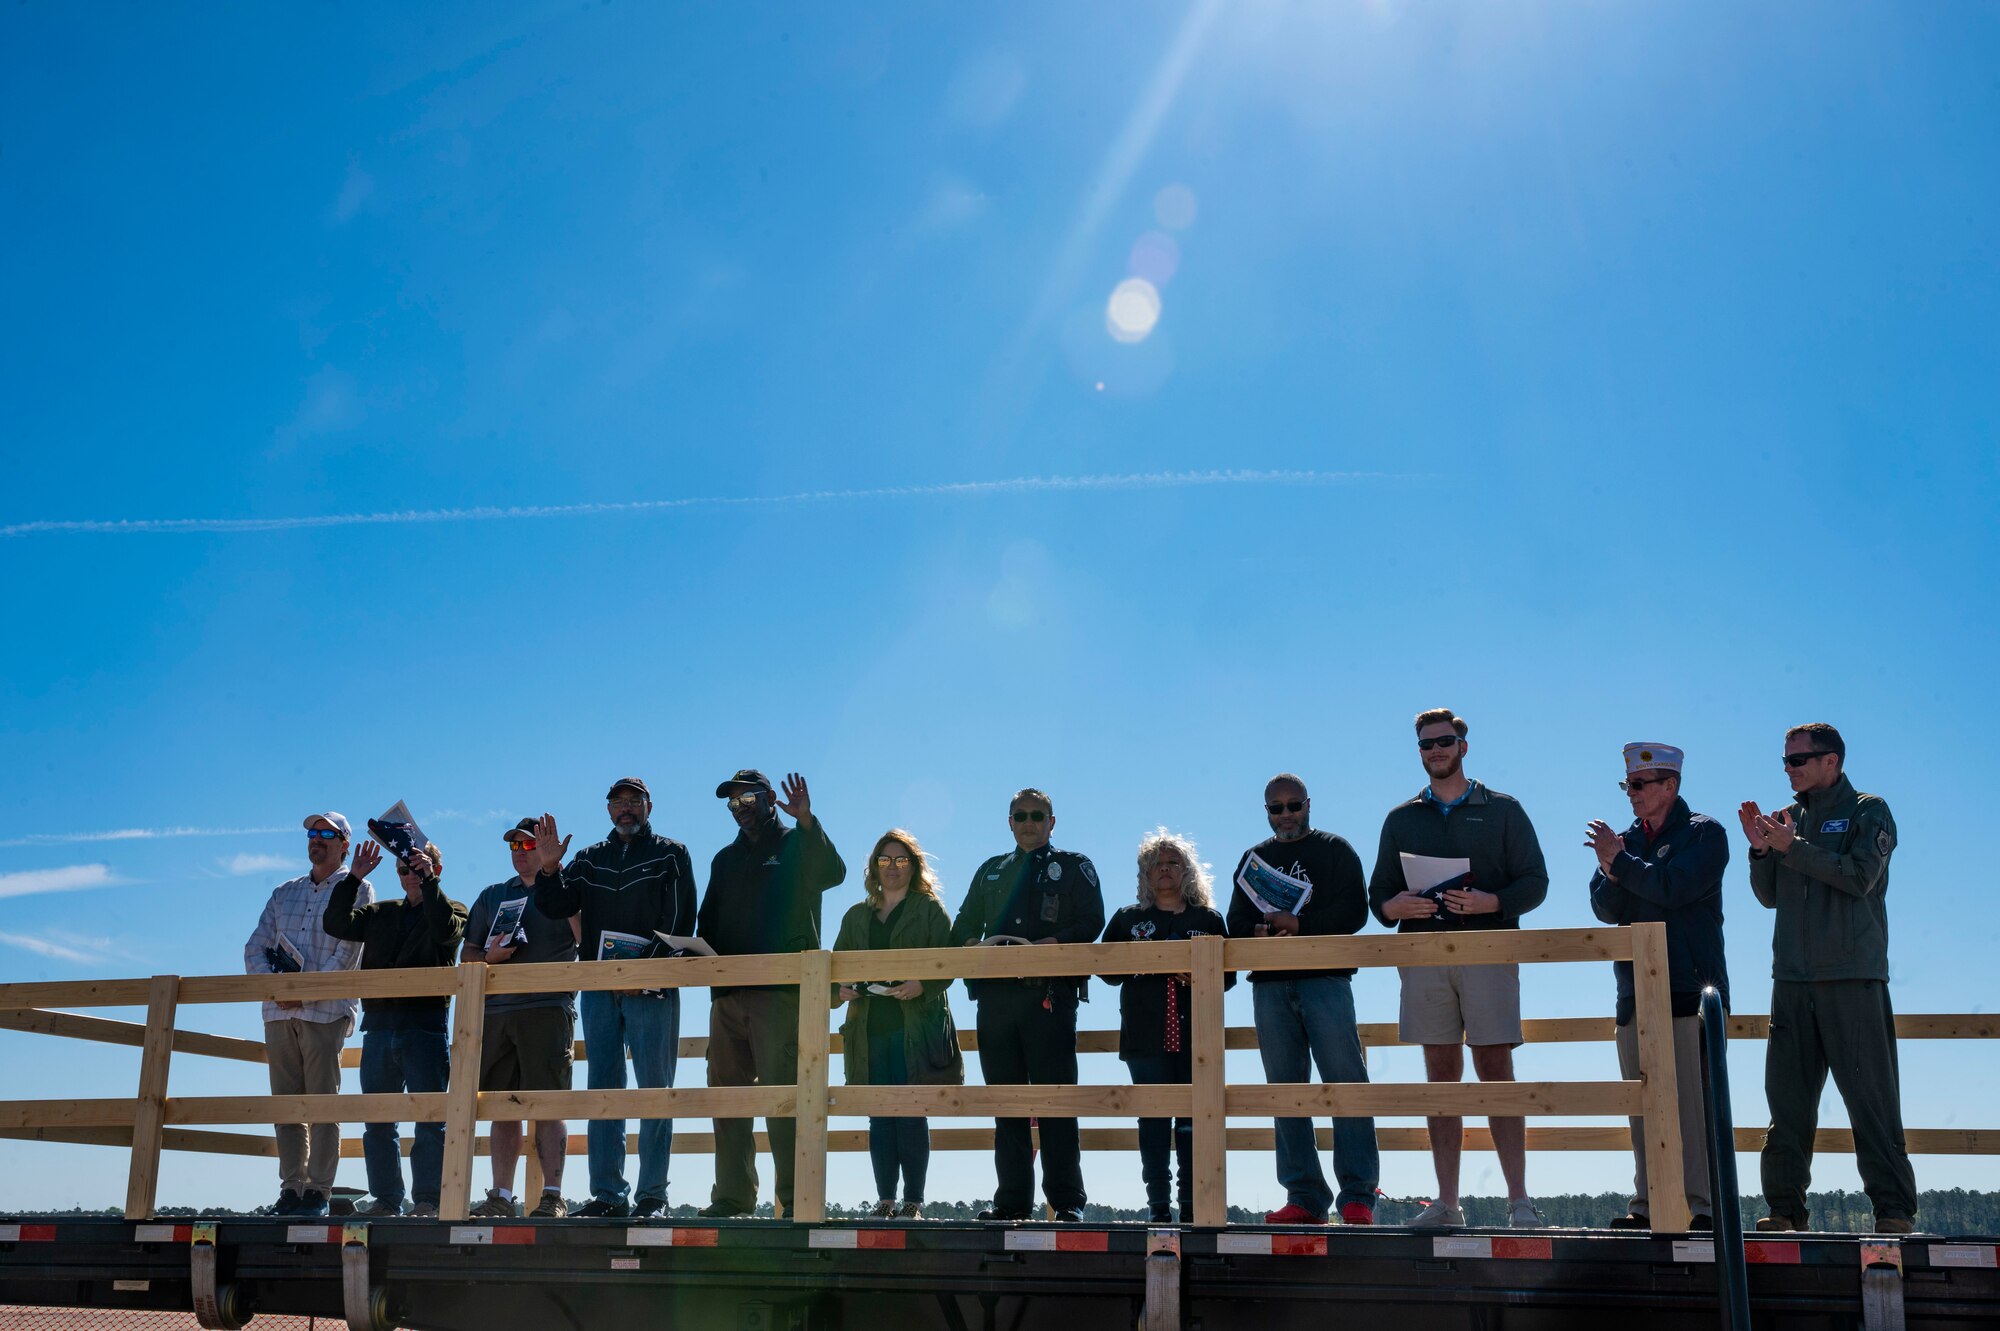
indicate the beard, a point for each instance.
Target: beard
{"x":1457,"y":762}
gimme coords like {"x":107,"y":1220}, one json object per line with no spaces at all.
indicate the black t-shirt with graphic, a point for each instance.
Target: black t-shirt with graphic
{"x":1339,"y":902}
{"x":1142,"y":1007}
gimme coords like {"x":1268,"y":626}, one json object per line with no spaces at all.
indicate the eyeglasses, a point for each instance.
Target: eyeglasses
{"x":323,"y":833}
{"x":1638,"y":784}
{"x":406,"y":870}
{"x":624,"y":806}
{"x":898,"y":861}
{"x":749,"y":799}
{"x":1801,"y":759}
{"x":1439,"y":742}
{"x":1031,"y":815}
{"x":1276,"y":807}
{"x":519,"y":842}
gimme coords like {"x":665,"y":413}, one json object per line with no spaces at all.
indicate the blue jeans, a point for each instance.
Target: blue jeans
{"x":651,"y":1028}
{"x":393,"y":1061}
{"x":1300,"y":1023}
{"x":1155,"y":1134}
{"x":895,"y":1143}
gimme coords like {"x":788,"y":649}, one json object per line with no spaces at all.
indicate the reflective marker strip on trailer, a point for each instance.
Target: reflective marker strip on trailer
{"x":1272,"y":1245}
{"x":493,"y":1235}
{"x":1058,"y":1240}
{"x":858,"y":1238}
{"x":671,"y":1237}
{"x":161,"y":1233}
{"x":312,"y":1233}
{"x":1501,"y":1249}
{"x":27,"y":1233}
{"x":1769,"y":1252}
{"x":1965,"y":1254}
{"x":1694,"y":1250}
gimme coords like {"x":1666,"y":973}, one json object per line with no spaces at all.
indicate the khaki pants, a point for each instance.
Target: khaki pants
{"x":305,"y":1060}
{"x":1694,"y":1129}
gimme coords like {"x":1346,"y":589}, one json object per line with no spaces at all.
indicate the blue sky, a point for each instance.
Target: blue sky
{"x":1603,"y":372}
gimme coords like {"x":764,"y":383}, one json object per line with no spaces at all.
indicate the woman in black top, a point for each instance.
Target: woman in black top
{"x":898,"y":1033}
{"x":1154,"y":1039}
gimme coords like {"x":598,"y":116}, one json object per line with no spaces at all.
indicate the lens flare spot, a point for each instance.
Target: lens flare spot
{"x":1175,"y":207}
{"x":1155,"y":257}
{"x":1133,"y":310}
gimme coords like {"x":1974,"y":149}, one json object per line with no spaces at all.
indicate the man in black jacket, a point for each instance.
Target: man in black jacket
{"x":1027,"y":1028}
{"x":1445,"y":1008}
{"x":628,"y":887}
{"x":1666,"y":868}
{"x":1308,"y":1016}
{"x":404,"y":1045}
{"x":763,"y":896}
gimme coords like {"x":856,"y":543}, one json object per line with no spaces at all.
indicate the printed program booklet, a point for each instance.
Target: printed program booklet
{"x":507,"y":928}
{"x":285,"y":958}
{"x":615,"y":946}
{"x":398,"y":832}
{"x":1270,"y":891}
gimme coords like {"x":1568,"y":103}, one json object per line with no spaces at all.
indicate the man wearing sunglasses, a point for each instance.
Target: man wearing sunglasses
{"x":1666,"y":868}
{"x":763,"y":896}
{"x":1027,"y":1027}
{"x":1445,"y":1008}
{"x":530,"y":1039}
{"x":1823,"y":865}
{"x":635,"y":883}
{"x":1307,"y":1016}
{"x":302,"y":1040}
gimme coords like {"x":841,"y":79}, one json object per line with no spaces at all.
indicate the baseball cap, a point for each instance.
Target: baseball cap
{"x":525,"y":825}
{"x":746,"y":778}
{"x":634,"y":782}
{"x":339,"y":820}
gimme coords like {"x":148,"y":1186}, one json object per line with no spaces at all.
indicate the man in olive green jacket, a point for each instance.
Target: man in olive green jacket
{"x":1823,"y":865}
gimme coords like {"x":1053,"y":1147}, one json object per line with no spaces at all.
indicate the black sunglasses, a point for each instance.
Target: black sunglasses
{"x":1277,"y":807}
{"x":1030,"y":815}
{"x":1638,"y":783}
{"x":1439,"y":742}
{"x":1801,"y":759}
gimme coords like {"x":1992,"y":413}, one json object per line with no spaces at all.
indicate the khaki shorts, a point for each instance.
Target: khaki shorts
{"x":1476,"y":1005}
{"x":527,"y":1049}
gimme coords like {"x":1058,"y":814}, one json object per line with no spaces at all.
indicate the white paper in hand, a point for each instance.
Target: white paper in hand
{"x":1421,"y":873}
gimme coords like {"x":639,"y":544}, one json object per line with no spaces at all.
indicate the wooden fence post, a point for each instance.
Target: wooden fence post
{"x":1211,"y":1160}
{"x":809,"y":1143}
{"x":461,"y":1098}
{"x":1653,"y":1000}
{"x":148,"y":1125}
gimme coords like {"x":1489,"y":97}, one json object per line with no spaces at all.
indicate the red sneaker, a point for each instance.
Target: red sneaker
{"x":1357,"y":1213}
{"x":1291,"y":1213}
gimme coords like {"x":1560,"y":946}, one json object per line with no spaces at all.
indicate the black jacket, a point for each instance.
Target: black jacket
{"x":764,"y":891}
{"x":1488,"y":828}
{"x":394,"y":935}
{"x":1675,"y":879}
{"x":1048,"y":893}
{"x":1142,"y":1006}
{"x":640,"y":886}
{"x":1339,"y":902}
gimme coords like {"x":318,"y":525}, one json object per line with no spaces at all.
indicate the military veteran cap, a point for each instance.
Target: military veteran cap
{"x":748,"y":778}
{"x":1652,"y":758}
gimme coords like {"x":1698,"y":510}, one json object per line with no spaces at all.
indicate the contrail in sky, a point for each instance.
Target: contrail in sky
{"x":132,"y":834}
{"x":1154,"y":480}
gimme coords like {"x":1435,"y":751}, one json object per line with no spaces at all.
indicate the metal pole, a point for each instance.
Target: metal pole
{"x":1732,"y":1276}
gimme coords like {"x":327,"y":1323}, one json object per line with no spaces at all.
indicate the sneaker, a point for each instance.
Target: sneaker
{"x":649,"y":1207}
{"x":312,"y":1203}
{"x":1160,"y":1215}
{"x":1521,"y":1214}
{"x":1291,"y":1213}
{"x":1777,"y":1224}
{"x":1633,"y":1220}
{"x":287,"y":1203}
{"x":1357,"y":1213}
{"x":599,"y":1209}
{"x":910,"y":1211}
{"x":717,"y":1211}
{"x":995,"y":1213}
{"x":1069,"y":1215}
{"x":1439,"y":1216}
{"x":1894,"y":1224}
{"x":551,"y":1207}
{"x":425,"y":1210}
{"x":885,"y":1209}
{"x":494,"y":1206}
{"x":376,"y":1206}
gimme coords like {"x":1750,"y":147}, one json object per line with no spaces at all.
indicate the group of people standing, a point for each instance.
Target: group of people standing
{"x":1456,"y":856}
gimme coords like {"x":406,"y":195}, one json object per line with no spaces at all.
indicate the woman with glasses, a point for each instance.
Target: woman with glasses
{"x":898,"y":1032}
{"x":1175,"y":901}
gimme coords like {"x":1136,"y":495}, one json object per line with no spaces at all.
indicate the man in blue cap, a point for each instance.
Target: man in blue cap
{"x":1666,"y":868}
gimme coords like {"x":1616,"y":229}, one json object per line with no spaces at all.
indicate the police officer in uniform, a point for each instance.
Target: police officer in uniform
{"x":1027,"y":1028}
{"x":1823,"y":866}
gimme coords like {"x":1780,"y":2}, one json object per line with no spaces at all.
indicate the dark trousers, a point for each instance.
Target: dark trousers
{"x":415,"y":1061}
{"x":753,"y":1040}
{"x":1023,"y":1043}
{"x":1156,"y":1133}
{"x":1848,"y":1028}
{"x":896,"y":1145}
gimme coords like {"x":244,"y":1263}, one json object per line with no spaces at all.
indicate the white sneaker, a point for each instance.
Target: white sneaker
{"x":1439,"y":1216}
{"x":1521,"y":1214}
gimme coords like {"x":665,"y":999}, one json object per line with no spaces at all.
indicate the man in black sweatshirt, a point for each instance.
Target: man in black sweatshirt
{"x":763,"y":896}
{"x":1308,"y":1016}
{"x":631,"y":885}
{"x":1447,"y":1007}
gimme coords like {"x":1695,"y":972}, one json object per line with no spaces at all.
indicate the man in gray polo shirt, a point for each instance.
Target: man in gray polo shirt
{"x":530,"y":1038}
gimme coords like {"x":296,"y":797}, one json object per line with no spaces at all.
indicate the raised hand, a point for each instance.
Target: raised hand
{"x":1605,"y":842}
{"x":796,"y":801}
{"x":1778,"y":832}
{"x":1752,"y":818}
{"x":546,"y":845}
{"x":367,"y":859}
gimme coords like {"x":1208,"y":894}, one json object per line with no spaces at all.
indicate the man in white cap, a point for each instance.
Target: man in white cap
{"x":302,"y":1040}
{"x":1667,"y":868}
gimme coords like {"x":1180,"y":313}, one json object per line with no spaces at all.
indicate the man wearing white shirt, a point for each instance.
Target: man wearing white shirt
{"x":302,"y":1040}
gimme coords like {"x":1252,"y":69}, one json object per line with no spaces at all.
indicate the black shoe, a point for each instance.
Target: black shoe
{"x":1631,"y":1220}
{"x":721,"y":1211}
{"x":995,"y":1213}
{"x":288,"y":1203}
{"x":1701,"y":1222}
{"x":649,"y":1206}
{"x":312,"y":1203}
{"x":1069,"y":1215}
{"x":1161,"y":1215}
{"x":599,"y":1209}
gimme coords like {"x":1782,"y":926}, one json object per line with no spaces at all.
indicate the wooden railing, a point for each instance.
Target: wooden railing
{"x":153,"y":1121}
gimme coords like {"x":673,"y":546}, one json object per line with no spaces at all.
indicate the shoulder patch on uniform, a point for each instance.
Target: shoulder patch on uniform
{"x":1089,"y":874}
{"x":1883,"y":841}
{"x":1834,"y":825}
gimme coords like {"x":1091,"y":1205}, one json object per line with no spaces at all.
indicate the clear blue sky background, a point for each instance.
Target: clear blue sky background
{"x":1641,"y":356}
